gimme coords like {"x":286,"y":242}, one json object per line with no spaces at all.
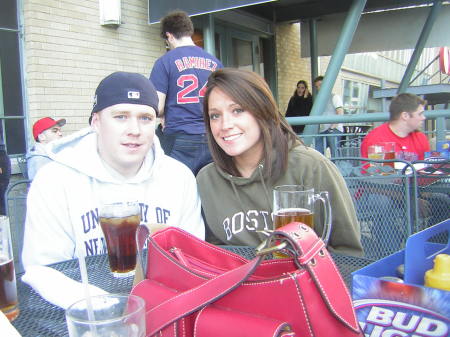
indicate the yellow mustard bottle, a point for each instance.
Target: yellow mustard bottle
{"x":439,"y":276}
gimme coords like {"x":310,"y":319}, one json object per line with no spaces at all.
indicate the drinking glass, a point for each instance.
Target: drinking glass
{"x":389,"y":152}
{"x":376,"y":151}
{"x":107,"y":315}
{"x":119,"y":222}
{"x":294,"y":203}
{"x":8,"y":290}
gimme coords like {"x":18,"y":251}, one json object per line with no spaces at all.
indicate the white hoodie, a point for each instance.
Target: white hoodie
{"x":62,"y":204}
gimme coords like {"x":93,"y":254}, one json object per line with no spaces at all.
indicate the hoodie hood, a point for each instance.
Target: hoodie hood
{"x":241,"y":181}
{"x":78,"y":151}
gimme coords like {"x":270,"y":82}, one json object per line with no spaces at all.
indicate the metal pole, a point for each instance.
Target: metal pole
{"x":313,"y":52}
{"x":424,"y":69}
{"x":342,"y":45}
{"x":440,"y":129}
{"x":384,"y":100}
{"x":419,"y":46}
{"x":208,"y":34}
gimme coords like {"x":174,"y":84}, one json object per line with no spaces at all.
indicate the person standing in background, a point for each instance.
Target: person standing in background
{"x":333,"y":107}
{"x":5,"y":172}
{"x":45,"y":130}
{"x":180,"y":78}
{"x":300,"y":104}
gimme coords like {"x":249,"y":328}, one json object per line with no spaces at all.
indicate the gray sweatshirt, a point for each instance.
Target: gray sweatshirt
{"x":235,"y":208}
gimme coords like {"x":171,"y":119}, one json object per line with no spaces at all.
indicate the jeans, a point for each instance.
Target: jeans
{"x":322,"y":142}
{"x":384,"y":226}
{"x":191,"y":150}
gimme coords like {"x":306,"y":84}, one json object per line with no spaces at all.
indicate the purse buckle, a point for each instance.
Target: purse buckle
{"x":263,"y":250}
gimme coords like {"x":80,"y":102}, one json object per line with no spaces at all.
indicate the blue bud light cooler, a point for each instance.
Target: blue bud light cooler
{"x":389,"y":308}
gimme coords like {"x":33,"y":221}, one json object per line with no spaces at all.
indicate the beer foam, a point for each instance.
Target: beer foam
{"x":4,"y":259}
{"x":119,"y":210}
{"x":293,"y":209}
{"x":117,"y":221}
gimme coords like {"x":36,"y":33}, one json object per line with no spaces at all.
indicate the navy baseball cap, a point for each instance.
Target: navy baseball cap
{"x":124,"y":87}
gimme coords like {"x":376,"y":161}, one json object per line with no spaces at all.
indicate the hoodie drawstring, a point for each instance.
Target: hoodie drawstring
{"x":266,"y":192}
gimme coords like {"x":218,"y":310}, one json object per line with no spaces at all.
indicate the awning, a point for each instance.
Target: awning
{"x":159,"y":8}
{"x":385,"y":30}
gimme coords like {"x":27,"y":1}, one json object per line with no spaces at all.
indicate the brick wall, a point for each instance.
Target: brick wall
{"x":67,"y":52}
{"x":291,"y":67}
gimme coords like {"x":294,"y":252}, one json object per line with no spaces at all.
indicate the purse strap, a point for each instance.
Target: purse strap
{"x":199,"y":297}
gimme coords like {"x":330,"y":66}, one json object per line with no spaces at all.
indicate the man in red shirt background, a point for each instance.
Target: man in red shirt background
{"x":406,"y":118}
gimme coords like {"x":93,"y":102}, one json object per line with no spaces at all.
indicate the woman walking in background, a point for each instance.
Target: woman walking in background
{"x":300,"y":104}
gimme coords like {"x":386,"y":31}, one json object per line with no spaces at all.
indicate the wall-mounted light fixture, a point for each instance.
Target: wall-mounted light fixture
{"x":110,"y":11}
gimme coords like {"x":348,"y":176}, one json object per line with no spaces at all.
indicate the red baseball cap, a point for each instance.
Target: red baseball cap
{"x":45,"y":124}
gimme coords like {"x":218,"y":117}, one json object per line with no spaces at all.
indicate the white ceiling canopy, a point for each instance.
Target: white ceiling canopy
{"x":377,"y":31}
{"x":158,"y":9}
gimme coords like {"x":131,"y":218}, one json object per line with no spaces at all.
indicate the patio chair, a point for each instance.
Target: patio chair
{"x":432,"y":183}
{"x":382,"y":200}
{"x":16,"y":205}
{"x":348,"y":148}
{"x":22,"y":162}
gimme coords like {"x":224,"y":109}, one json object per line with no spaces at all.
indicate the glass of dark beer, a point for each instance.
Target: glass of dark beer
{"x":8,"y":290}
{"x":119,"y":222}
{"x":295,"y":203}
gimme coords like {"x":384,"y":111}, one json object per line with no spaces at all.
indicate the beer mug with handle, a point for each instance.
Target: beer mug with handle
{"x":295,"y":203}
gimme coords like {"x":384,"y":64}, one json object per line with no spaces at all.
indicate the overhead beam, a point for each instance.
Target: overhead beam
{"x":310,"y":9}
{"x":313,"y":51}
{"x":434,"y":11}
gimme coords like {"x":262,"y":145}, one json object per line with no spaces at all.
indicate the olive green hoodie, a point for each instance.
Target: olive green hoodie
{"x":235,"y":207}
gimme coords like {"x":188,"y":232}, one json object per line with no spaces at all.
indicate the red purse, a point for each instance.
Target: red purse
{"x":193,"y":288}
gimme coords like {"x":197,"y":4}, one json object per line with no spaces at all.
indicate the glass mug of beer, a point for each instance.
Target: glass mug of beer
{"x":389,"y":152}
{"x":119,"y":222}
{"x":294,"y":203}
{"x":8,"y":290}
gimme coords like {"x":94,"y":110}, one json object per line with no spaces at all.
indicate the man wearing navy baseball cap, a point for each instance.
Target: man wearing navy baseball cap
{"x":118,"y":158}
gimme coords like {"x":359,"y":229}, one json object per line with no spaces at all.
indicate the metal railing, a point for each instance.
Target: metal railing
{"x":440,"y":116}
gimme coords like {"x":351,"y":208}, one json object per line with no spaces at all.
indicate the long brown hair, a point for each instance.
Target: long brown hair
{"x":252,"y":93}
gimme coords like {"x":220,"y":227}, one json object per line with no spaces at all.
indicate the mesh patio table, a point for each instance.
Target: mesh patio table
{"x":39,"y":318}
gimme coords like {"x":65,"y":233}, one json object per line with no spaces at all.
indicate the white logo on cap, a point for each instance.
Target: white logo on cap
{"x":134,"y":94}
{"x":95,"y":101}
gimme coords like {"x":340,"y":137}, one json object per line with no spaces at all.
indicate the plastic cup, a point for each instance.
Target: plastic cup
{"x":376,"y":152}
{"x":8,"y":289}
{"x":119,"y":222}
{"x":389,"y":152}
{"x":110,"y":315}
